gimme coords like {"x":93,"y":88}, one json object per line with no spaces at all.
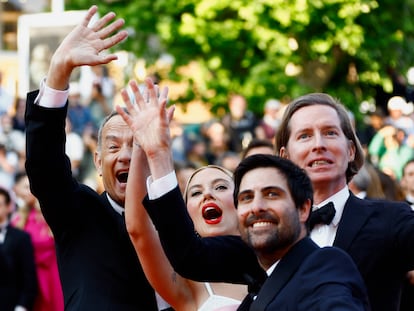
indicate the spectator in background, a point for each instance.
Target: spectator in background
{"x":229,"y":160}
{"x":75,"y":148}
{"x":79,"y":114}
{"x":391,"y":187}
{"x":14,"y":139}
{"x":360,"y":182}
{"x":18,"y":115}
{"x":98,"y":104}
{"x":397,"y":107}
{"x":217,"y":140}
{"x":28,"y":217}
{"x":270,"y":121}
{"x":240,"y":123}
{"x":7,"y":170}
{"x":388,"y":150}
{"x":6,"y":98}
{"x":87,"y":169}
{"x":373,"y":122}
{"x":196,"y":151}
{"x":407,"y":182}
{"x":40,"y":57}
{"x":179,"y":141}
{"x":183,"y":170}
{"x":19,"y":289}
{"x":96,"y":76}
{"x":262,"y":146}
{"x":375,"y":189}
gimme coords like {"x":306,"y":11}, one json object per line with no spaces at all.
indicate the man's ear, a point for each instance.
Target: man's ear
{"x":304,"y":211}
{"x":283,"y":153}
{"x":98,"y":162}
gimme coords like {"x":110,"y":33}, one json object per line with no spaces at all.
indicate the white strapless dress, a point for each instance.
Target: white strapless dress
{"x":218,"y":303}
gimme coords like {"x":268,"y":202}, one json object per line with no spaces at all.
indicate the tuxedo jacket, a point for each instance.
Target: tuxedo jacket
{"x":97,"y":263}
{"x":312,"y":278}
{"x":378,"y":235}
{"x":19,"y":282}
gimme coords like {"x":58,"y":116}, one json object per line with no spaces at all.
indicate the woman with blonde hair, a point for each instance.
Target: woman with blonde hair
{"x":209,"y":198}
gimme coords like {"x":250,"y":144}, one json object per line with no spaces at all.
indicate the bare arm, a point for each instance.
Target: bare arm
{"x":174,"y":289}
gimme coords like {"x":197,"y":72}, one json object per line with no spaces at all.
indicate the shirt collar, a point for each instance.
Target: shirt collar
{"x":118,"y":208}
{"x":409,"y":198}
{"x":338,"y":199}
{"x":272,"y":268}
{"x":4,"y":224}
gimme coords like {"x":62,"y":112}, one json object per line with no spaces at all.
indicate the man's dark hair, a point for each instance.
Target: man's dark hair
{"x":298,"y":182}
{"x":104,"y":122}
{"x":257,"y":143}
{"x":406,"y":164}
{"x":6,"y":194}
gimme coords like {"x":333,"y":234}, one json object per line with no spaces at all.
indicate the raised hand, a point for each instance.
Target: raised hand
{"x":85,"y":45}
{"x":149,"y":120}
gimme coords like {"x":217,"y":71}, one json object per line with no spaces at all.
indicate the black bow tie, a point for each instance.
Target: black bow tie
{"x":323,"y":215}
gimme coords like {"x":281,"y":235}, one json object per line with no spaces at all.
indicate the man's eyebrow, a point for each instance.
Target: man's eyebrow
{"x":244,"y":191}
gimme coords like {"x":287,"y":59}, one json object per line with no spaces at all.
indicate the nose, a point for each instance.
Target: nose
{"x":257,"y":205}
{"x":207,"y":194}
{"x":319,"y":142}
{"x":125,"y":153}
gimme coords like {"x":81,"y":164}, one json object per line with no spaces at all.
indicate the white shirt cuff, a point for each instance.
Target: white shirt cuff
{"x":157,"y":188}
{"x":51,"y":98}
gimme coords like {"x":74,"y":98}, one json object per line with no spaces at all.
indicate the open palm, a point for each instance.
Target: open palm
{"x":147,"y":117}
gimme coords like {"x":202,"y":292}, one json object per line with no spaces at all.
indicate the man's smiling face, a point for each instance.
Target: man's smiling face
{"x":113,"y":159}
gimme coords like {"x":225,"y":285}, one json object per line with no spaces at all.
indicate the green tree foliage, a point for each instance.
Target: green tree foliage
{"x":271,"y":48}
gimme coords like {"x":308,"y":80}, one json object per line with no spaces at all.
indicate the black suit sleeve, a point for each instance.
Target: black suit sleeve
{"x":221,"y":258}
{"x":47,"y":165}
{"x":4,"y":264}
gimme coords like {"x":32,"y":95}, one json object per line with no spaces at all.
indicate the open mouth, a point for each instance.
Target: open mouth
{"x":262,"y":224}
{"x":212,"y":214}
{"x":319,"y":163}
{"x":122,"y":177}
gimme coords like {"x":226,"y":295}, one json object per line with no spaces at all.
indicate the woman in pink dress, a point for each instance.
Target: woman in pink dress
{"x":28,"y":217}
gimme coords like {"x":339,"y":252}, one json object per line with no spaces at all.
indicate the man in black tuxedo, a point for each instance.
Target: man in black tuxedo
{"x":18,"y":286}
{"x":316,"y":134}
{"x":274,"y":197}
{"x":98,"y":265}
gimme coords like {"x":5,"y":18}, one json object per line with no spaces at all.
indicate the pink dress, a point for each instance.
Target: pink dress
{"x":50,"y":297}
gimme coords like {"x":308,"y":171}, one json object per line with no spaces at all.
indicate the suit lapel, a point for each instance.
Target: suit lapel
{"x":353,"y":218}
{"x":9,"y":237}
{"x":283,"y":272}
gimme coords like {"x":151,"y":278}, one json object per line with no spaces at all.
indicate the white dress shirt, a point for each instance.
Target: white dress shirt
{"x":157,"y":188}
{"x":3,"y":230}
{"x":324,"y":235}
